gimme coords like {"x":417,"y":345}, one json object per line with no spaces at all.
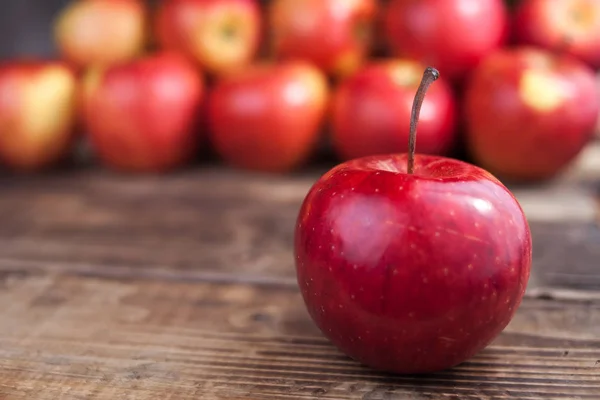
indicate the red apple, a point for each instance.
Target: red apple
{"x":452,"y":35}
{"x":335,"y":35}
{"x":144,"y":115}
{"x":104,"y":32}
{"x":529,"y":112}
{"x":572,"y":26}
{"x":371,"y":111}
{"x":220,"y":35}
{"x":268,"y":116}
{"x":411,"y":263}
{"x":38,"y":112}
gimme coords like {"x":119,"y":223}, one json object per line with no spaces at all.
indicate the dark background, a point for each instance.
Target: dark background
{"x":26,"y":27}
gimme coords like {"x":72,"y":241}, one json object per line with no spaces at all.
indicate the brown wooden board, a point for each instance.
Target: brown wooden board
{"x":182,"y":287}
{"x":74,"y":337}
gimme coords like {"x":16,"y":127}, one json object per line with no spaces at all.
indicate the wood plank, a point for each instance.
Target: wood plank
{"x":216,"y":224}
{"x":73,"y":337}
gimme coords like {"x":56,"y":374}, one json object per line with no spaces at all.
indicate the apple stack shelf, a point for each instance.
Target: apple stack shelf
{"x":118,"y":286}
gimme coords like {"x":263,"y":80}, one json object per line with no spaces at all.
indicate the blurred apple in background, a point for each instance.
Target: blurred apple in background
{"x":38,"y":101}
{"x":101,"y":32}
{"x":144,"y":115}
{"x":268,"y":117}
{"x":572,"y":26}
{"x":451,"y":35}
{"x":371,"y":111}
{"x":335,"y":35}
{"x":529,"y":112}
{"x":220,"y":35}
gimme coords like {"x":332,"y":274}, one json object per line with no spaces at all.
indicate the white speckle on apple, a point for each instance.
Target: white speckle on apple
{"x":355,"y":266}
{"x":331,"y":231}
{"x":470,"y":267}
{"x":330,"y":269}
{"x":342,"y":196}
{"x":333,"y":194}
{"x":513,"y":270}
{"x":352,"y":296}
{"x":476,"y":224}
{"x":313,"y":228}
{"x":376,"y":190}
{"x":395,"y":272}
{"x":352,"y":189}
{"x":333,"y":247}
{"x":452,"y":213}
{"x":446,"y":271}
{"x":485,"y":285}
{"x":437,"y":234}
{"x":498,"y":260}
{"x":509,"y":308}
{"x":500,"y":233}
{"x":341,"y":306}
{"x":360,"y":338}
{"x":483,"y":298}
{"x":413,"y":246}
{"x":377,"y":173}
{"x":322,"y":310}
{"x":320,"y":247}
{"x":425,"y":280}
{"x":401,"y":188}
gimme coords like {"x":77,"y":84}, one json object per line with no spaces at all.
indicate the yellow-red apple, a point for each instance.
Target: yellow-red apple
{"x":335,"y":35}
{"x":101,"y":32}
{"x":529,"y":112}
{"x":572,"y":26}
{"x":220,"y":35}
{"x":144,"y":115}
{"x":268,"y":117}
{"x":38,"y":113}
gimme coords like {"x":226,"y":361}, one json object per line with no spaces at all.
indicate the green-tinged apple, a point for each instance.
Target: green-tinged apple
{"x":144,"y":115}
{"x":335,"y":35}
{"x":101,"y":32}
{"x":571,"y":26}
{"x":453,"y":35}
{"x":370,"y":111}
{"x":268,"y":116}
{"x":529,"y":112}
{"x":38,"y":113}
{"x":219,"y":35}
{"x":411,"y":263}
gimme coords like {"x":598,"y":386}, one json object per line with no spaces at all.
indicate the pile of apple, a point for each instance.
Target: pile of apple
{"x":266,"y":83}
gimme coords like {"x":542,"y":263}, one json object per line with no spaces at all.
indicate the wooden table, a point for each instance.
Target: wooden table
{"x":183,"y":287}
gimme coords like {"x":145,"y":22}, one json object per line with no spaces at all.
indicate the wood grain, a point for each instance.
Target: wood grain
{"x":73,"y":337}
{"x":215,"y":224}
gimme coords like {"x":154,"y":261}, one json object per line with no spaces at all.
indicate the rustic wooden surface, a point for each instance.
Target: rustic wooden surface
{"x":183,"y":287}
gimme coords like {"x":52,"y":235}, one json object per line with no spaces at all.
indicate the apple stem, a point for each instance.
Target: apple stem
{"x":429,"y":76}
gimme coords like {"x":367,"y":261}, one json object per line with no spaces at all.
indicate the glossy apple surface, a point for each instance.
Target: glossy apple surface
{"x":451,"y":35}
{"x":411,"y":273}
{"x":529,"y":113}
{"x":220,"y":35}
{"x":335,"y":35}
{"x":38,"y":112}
{"x":101,"y":32}
{"x":268,"y":116}
{"x":144,"y":115}
{"x":371,"y":111}
{"x":572,"y":26}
